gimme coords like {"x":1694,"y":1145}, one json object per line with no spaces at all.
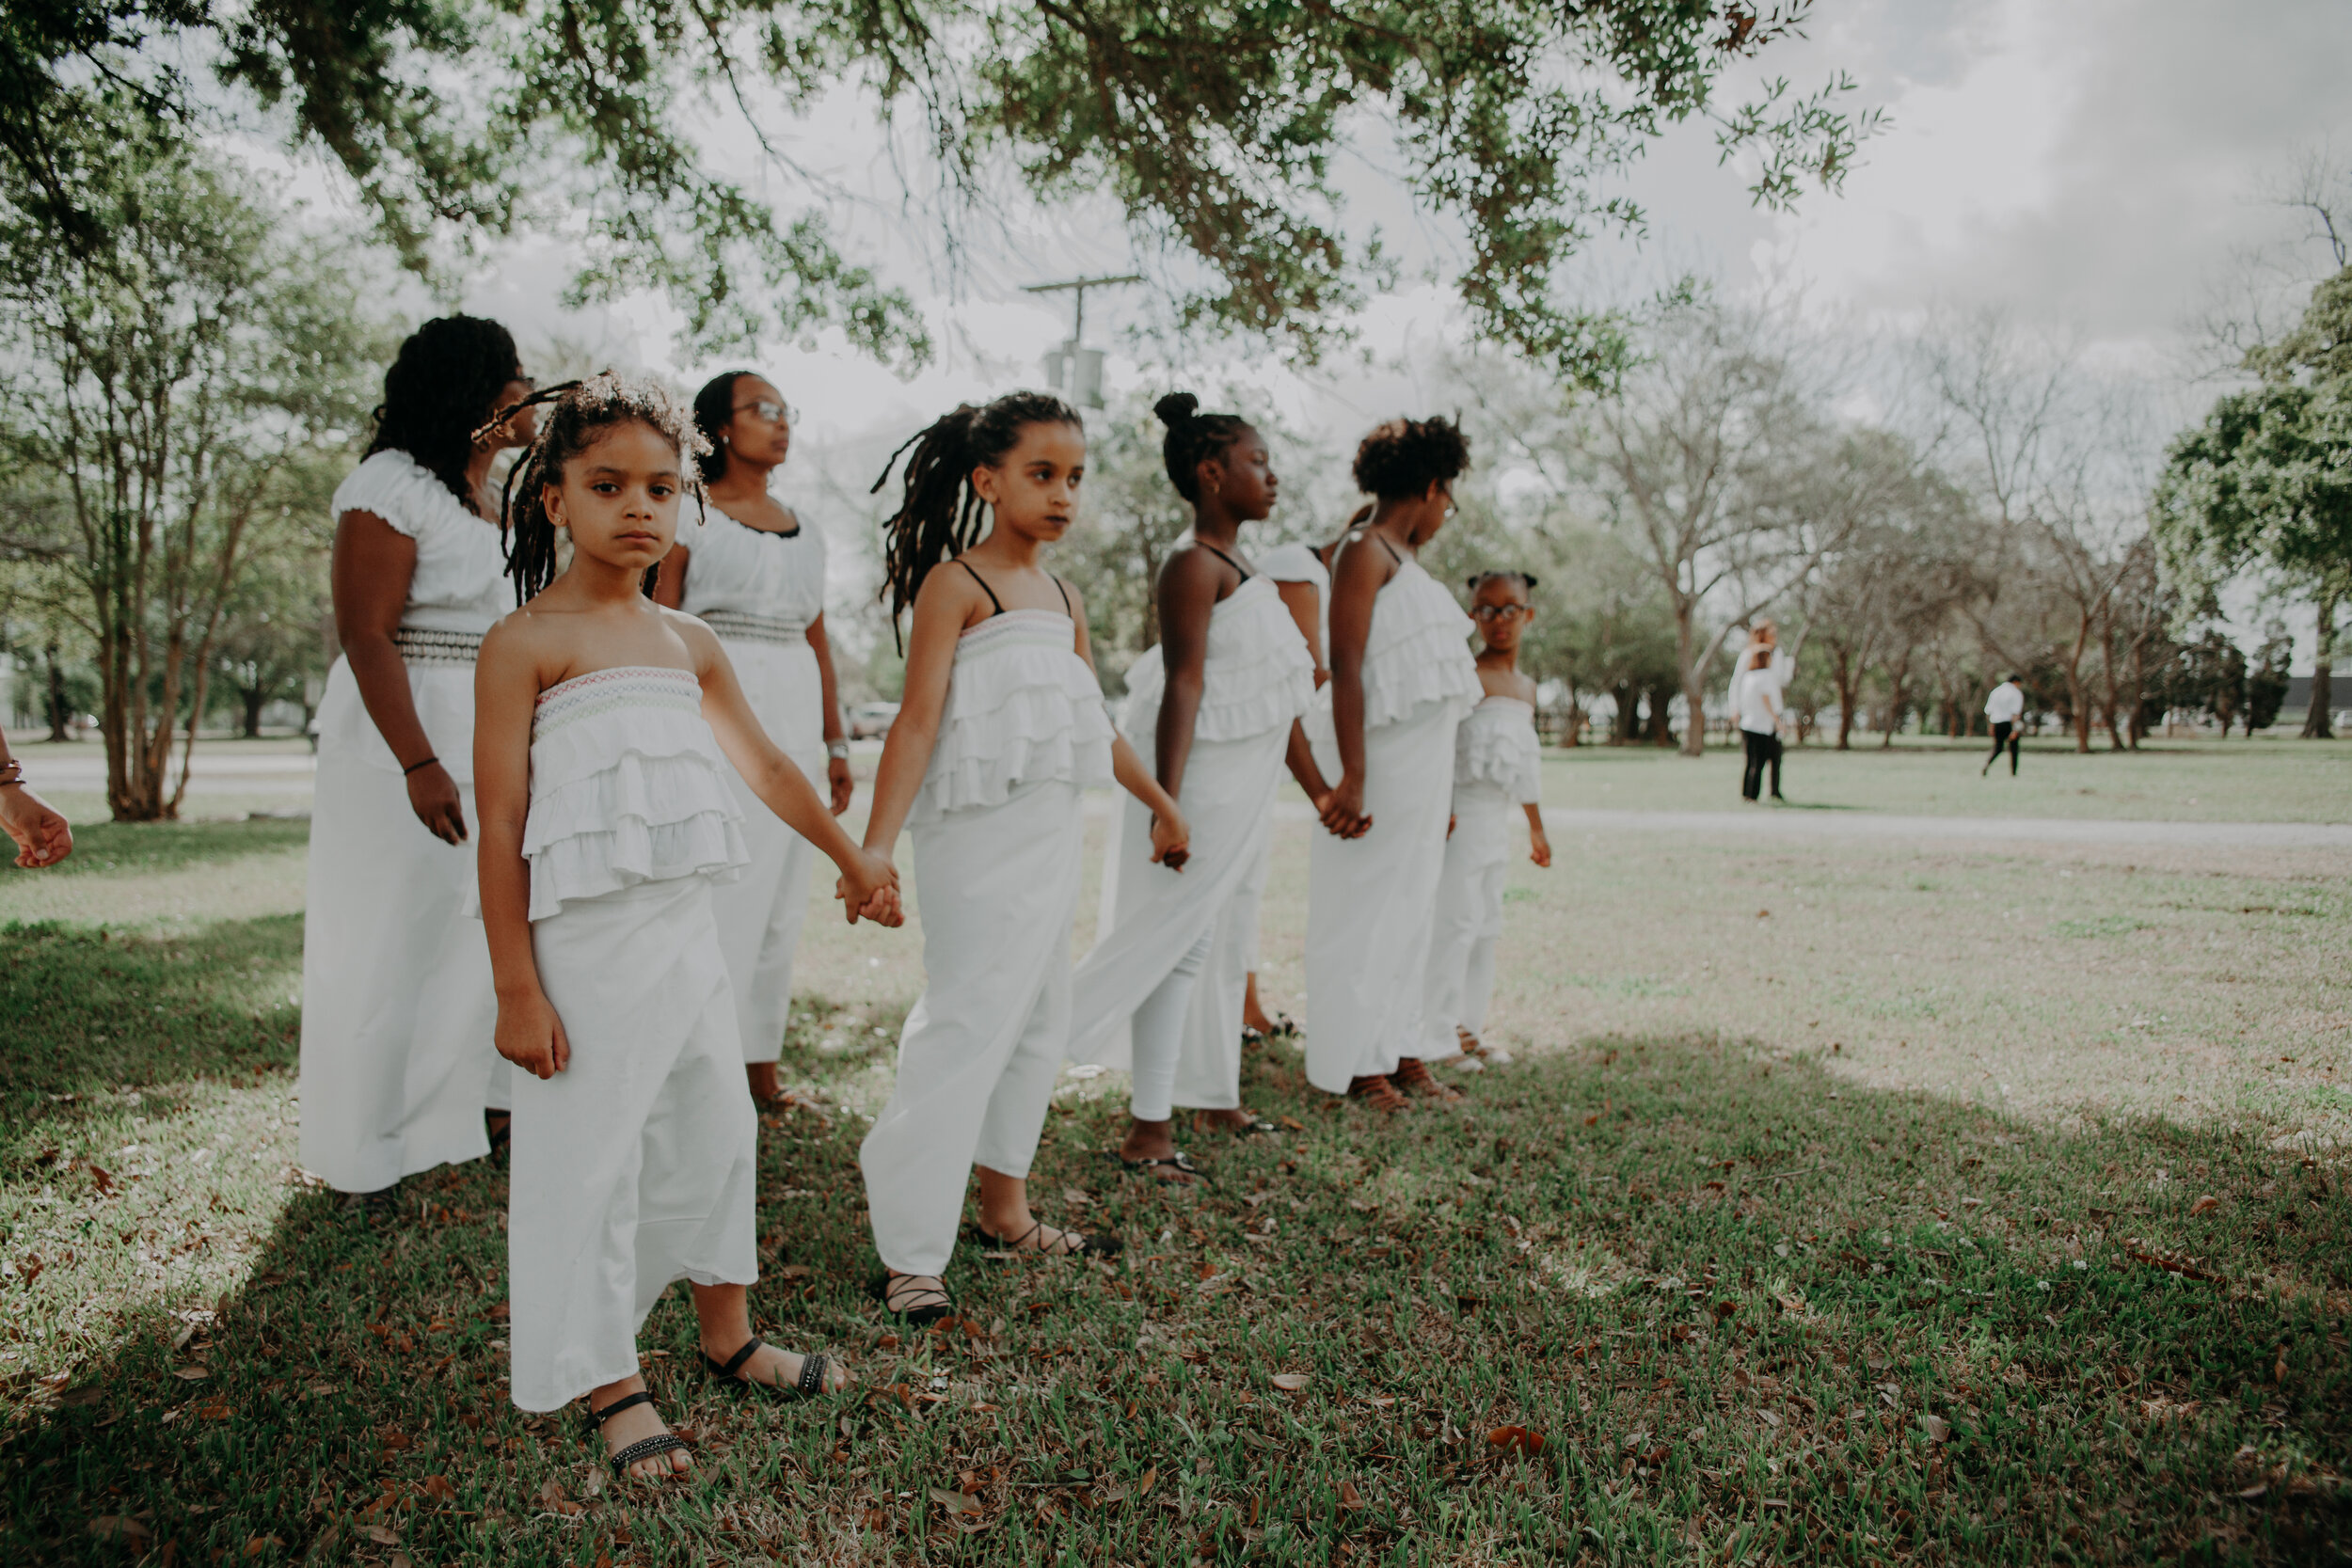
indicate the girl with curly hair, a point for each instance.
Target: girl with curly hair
{"x":1401,"y":679}
{"x":397,"y":1010}
{"x":606,"y":819}
{"x":755,"y":576}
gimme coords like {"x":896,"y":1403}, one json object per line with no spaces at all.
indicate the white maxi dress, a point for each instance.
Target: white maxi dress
{"x":759,"y":591}
{"x":1497,"y":767}
{"x":1257,"y":678}
{"x":398,"y":1014}
{"x":1289,"y":562}
{"x":637,"y":1165}
{"x":1372,"y":901}
{"x":998,"y":828}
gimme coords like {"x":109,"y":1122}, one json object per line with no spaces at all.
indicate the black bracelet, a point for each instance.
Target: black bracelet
{"x":414,"y":766}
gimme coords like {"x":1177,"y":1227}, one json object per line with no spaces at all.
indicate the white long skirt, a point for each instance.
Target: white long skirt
{"x":635,"y":1166}
{"x":1152,"y":917}
{"x":760,"y":913}
{"x":1371,"y":904}
{"x":1477,"y":867}
{"x":398,"y":1013}
{"x":996,"y":888}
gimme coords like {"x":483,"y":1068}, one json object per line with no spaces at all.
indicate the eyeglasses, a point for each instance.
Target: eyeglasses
{"x":1497,"y":611}
{"x":770,"y":410}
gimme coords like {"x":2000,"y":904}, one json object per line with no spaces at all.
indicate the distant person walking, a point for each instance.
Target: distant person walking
{"x":1756,"y":697}
{"x":2006,"y":709}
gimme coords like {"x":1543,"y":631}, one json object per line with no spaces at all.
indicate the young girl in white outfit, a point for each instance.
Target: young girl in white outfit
{"x":1000,"y":730}
{"x":1402,"y":680}
{"x":397,"y":1010}
{"x":1219,"y":703}
{"x":605,"y":817}
{"x":1497,"y":764}
{"x":756,"y":575}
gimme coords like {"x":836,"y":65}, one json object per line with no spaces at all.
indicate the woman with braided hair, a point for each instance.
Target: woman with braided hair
{"x":397,"y":1012}
{"x":1217,"y":702}
{"x":1000,"y":729}
{"x":756,"y":575}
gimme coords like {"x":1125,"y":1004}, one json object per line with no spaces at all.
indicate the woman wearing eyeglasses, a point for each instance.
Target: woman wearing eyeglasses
{"x":398,"y":1013}
{"x":757,"y":576}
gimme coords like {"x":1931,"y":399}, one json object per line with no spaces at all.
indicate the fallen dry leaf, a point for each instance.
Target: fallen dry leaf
{"x":384,"y":1537}
{"x":119,"y":1527}
{"x":793,"y":1271}
{"x":1349,"y":1497}
{"x":1143,"y":1487}
{"x":1516,"y":1440}
{"x":551,"y":1493}
{"x":1290,"y":1382}
{"x":1075,"y":1198}
{"x":1936,"y":1427}
{"x":2205,"y":1203}
{"x":438,"y":1489}
{"x":190,"y":1372}
{"x":955,"y":1502}
{"x":261,"y":1543}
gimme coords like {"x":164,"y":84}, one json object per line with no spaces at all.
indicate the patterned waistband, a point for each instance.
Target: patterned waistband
{"x":419,"y":645}
{"x":755,"y":628}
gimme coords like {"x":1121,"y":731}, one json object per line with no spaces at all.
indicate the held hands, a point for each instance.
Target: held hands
{"x":532,"y":1036}
{"x":837,"y":777}
{"x":868,"y":888}
{"x":433,"y":796}
{"x":1538,"y":847}
{"x":42,"y":837}
{"x":1172,"y":840}
{"x":1341,"y":809}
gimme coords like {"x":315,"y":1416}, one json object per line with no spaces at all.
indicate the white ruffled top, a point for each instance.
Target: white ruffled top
{"x":627,"y":787}
{"x":460,"y":581}
{"x":1418,"y":651}
{"x":1022,"y":708}
{"x":737,"y":567}
{"x":1497,"y":747}
{"x":1255,"y":675}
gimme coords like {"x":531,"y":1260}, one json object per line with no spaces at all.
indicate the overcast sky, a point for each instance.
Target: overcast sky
{"x":2093,"y":166}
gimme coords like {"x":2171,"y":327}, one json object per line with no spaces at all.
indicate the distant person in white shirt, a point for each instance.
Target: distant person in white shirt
{"x":2005,"y":707}
{"x":1758,"y":695}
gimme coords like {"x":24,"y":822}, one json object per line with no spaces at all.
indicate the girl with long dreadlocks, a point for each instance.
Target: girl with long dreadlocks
{"x":397,"y":1010}
{"x":607,"y":816}
{"x":1218,"y":702}
{"x":1497,"y":764}
{"x":755,"y":576}
{"x":1000,"y":729}
{"x":1401,"y":682}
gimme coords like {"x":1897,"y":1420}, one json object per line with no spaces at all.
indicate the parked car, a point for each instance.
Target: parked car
{"x":869,"y":719}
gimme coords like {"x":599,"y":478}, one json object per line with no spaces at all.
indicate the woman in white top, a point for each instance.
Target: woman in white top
{"x":756,"y":575}
{"x":1217,"y":702}
{"x":1402,"y":680}
{"x":397,"y":1009}
{"x":1757,"y":698}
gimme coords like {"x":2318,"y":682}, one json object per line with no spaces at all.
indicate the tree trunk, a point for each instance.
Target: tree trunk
{"x":254,"y":696}
{"x":2319,"y":724}
{"x":1842,"y":673}
{"x":1623,"y":725}
{"x":1660,"y":732}
{"x":58,"y":717}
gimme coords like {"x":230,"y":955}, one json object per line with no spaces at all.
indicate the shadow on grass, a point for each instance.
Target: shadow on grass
{"x":1747,"y":1309}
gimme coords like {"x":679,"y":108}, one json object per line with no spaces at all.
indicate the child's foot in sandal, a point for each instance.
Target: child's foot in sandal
{"x":1413,"y":1076}
{"x":915,"y":1299}
{"x":1050,"y":1242}
{"x":759,"y":1364}
{"x":1377,"y":1091}
{"x":1150,"y":1150}
{"x":639,"y":1443}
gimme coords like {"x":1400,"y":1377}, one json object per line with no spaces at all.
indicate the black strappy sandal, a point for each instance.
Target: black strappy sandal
{"x":729,"y":1374}
{"x":1089,"y":1245}
{"x":645,"y":1447}
{"x":499,"y":1126}
{"x":915,"y":1317}
{"x":1180,"y":1161}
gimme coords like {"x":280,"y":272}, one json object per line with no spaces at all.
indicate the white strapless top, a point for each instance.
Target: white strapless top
{"x":460,"y":582}
{"x":627,"y":787}
{"x":1497,"y":746}
{"x":1023,"y":709}
{"x":1256,"y":675}
{"x":735,"y":568}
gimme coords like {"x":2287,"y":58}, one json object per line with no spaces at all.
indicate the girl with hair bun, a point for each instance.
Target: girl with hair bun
{"x":1401,"y":679}
{"x":756,"y":575}
{"x":1218,"y":702}
{"x":606,"y":819}
{"x":398,"y":1074}
{"x":1000,"y":730}
{"x":1497,"y":764}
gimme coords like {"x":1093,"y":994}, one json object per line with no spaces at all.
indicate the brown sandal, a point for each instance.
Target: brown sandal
{"x":1412,"y":1074}
{"x":1380,"y":1093}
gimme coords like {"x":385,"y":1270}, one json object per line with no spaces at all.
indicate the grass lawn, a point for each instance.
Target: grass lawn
{"x":1957,"y":1209}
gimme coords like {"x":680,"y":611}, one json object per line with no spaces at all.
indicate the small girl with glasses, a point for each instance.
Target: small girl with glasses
{"x":1496,"y":764}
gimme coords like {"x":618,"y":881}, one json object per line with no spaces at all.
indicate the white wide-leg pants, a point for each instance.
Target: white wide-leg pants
{"x":760,"y":913}
{"x":1371,"y":904}
{"x":636,"y":1167}
{"x":1477,"y":867}
{"x":996,"y":888}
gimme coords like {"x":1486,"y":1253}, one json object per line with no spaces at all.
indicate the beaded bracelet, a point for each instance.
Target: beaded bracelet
{"x":12,"y":772}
